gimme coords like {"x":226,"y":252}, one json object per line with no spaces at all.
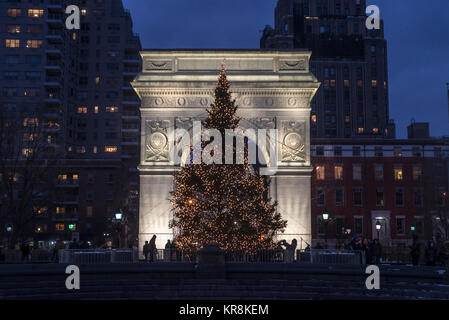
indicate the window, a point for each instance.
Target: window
{"x":400,"y":225}
{"x":418,"y":197}
{"x":34,"y":44}
{"x":379,"y":172}
{"x":417,"y":173}
{"x":96,"y":109}
{"x":82,"y":110}
{"x":35,"y":28}
{"x":339,"y":197}
{"x":357,"y":193}
{"x":357,"y":172}
{"x":380,"y":198}
{"x":89,"y":211}
{"x":320,"y":151}
{"x":59,"y":227}
{"x":60,"y":210}
{"x":11,"y":75}
{"x":416,"y":151}
{"x":337,"y":151}
{"x":33,"y":59}
{"x":321,"y":199}
{"x":31,"y":92}
{"x":358,"y":225}
{"x":398,"y":176}
{"x":110,"y":149}
{"x":398,"y":152}
{"x":13,"y":28}
{"x":338,"y":172}
{"x":378,"y":152}
{"x":35,"y":13}
{"x":356,"y":151}
{"x":12,"y":43}
{"x":111,"y":109}
{"x":320,"y":173}
{"x":13,"y":13}
{"x":33,"y":75}
{"x":399,"y":197}
{"x":320,"y":225}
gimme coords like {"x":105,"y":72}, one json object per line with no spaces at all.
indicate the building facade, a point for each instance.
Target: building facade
{"x":400,"y":184}
{"x":76,"y":85}
{"x":349,"y":60}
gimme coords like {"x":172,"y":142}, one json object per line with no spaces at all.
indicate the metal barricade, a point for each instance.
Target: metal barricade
{"x":97,"y":256}
{"x":324,"y":256}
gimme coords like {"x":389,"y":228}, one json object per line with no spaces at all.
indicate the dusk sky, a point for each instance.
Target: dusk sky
{"x":417,"y":33}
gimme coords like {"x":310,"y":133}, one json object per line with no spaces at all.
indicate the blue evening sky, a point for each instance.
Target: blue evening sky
{"x":417,"y":33}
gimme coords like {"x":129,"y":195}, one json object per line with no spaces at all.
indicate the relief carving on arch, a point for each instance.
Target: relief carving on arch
{"x":157,"y":144}
{"x":293,"y":148}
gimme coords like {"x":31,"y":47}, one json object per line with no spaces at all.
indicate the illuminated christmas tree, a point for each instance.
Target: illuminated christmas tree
{"x":221,"y":203}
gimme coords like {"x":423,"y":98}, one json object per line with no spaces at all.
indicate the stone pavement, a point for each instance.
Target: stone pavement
{"x":162,"y":281}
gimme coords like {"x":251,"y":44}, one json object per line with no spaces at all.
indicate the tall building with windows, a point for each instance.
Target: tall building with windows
{"x":77,"y":83}
{"x":348,"y":59}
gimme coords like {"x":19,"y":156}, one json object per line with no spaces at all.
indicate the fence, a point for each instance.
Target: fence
{"x":98,"y":256}
{"x":325,"y":256}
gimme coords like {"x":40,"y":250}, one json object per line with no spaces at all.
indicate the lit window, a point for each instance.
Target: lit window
{"x":38,"y":229}
{"x":82,"y":110}
{"x":346,"y":82}
{"x":110,"y":149}
{"x":112,"y":109}
{"x":72,"y":227}
{"x":13,"y":13}
{"x":374,"y":83}
{"x":35,"y":13}
{"x":83,"y":12}
{"x":14,"y":28}
{"x":12,"y":43}
{"x":338,"y":172}
{"x":320,"y":172}
{"x":314,"y":118}
{"x":60,"y":210}
{"x":74,"y":36}
{"x":81,"y":149}
{"x":97,"y":80}
{"x":75,"y":177}
{"x":95,"y":149}
{"x":361,"y":130}
{"x":26,"y":152}
{"x":398,"y":176}
{"x":34,"y":44}
{"x":59,"y":227}
{"x":375,"y":130}
{"x":62,"y":177}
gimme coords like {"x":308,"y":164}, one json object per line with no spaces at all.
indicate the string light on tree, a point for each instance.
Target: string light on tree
{"x":224,"y":204}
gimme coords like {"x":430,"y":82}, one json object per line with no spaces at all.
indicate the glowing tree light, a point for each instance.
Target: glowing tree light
{"x":223,"y":204}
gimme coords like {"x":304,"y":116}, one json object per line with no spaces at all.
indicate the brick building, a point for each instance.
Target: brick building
{"x":400,"y":184}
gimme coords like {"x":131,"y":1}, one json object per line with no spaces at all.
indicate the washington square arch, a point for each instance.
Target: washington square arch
{"x":273,"y":90}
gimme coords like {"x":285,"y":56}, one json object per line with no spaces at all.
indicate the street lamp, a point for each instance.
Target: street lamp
{"x":378,"y":227}
{"x":326,"y":221}
{"x":119,"y":220}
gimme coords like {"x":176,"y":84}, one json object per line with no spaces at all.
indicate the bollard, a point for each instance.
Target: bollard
{"x":211,"y":262}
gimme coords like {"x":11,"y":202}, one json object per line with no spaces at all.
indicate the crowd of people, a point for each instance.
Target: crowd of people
{"x":431,"y":253}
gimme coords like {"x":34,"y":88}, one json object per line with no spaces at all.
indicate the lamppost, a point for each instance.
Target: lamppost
{"x":325,"y":221}
{"x":378,"y":227}
{"x":9,"y":232}
{"x":119,"y":220}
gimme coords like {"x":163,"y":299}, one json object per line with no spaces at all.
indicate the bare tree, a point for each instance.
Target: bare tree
{"x":26,"y":162}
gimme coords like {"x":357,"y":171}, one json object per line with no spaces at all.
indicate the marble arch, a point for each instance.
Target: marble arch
{"x":273,"y":90}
